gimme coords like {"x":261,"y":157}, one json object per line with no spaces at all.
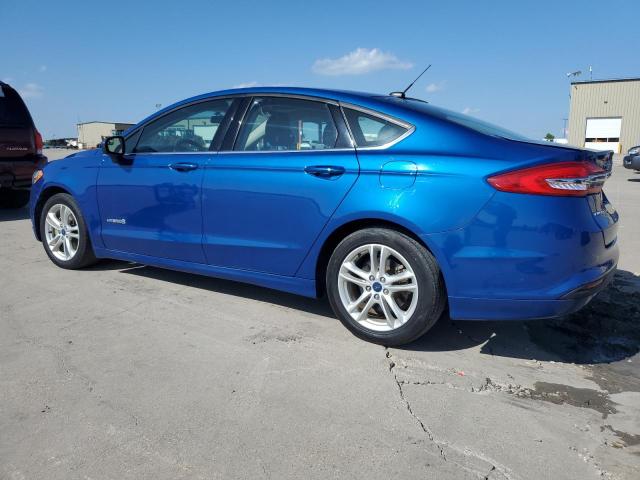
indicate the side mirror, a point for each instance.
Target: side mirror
{"x":113,"y":145}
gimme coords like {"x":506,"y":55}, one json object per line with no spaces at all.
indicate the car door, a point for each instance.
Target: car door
{"x":269,"y":193}
{"x":150,"y":200}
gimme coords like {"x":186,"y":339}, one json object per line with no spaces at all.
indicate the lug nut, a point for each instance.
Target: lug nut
{"x":368,"y":288}
{"x":372,"y":278}
{"x":382,"y":279}
{"x":386,"y":292}
{"x":376,"y":296}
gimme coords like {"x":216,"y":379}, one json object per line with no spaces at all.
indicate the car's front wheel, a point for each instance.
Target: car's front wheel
{"x":384,"y":286}
{"x":64,"y":233}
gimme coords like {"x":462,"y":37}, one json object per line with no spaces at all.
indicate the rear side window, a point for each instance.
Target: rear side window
{"x":13,"y":112}
{"x":372,"y":131}
{"x":189,"y":129}
{"x":287,"y":124}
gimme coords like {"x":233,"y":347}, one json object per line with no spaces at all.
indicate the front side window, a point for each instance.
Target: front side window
{"x":284,"y":124}
{"x":189,"y":129}
{"x":370,"y":130}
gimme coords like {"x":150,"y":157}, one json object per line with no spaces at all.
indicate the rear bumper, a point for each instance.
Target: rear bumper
{"x":526,"y":257}
{"x":632,"y":162}
{"x":509,"y":309}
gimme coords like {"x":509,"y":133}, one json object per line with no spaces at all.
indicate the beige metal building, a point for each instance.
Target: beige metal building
{"x":90,"y":134}
{"x":605,"y":114}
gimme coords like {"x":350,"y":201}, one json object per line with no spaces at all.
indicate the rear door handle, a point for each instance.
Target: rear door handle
{"x":183,"y":167}
{"x":324,"y":171}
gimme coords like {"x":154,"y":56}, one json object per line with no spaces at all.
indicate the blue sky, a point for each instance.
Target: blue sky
{"x":502,"y":61}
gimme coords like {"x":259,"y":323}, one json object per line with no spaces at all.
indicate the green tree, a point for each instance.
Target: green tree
{"x":549,"y":137}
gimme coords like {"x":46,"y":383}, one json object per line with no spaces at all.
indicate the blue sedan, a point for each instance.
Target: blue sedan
{"x":393,"y":208}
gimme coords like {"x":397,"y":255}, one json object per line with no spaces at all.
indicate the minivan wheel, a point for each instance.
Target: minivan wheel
{"x":10,"y":198}
{"x":64,"y":233}
{"x":384,"y":286}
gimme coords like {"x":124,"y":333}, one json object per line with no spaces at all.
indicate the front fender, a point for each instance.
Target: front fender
{"x":77,"y":176}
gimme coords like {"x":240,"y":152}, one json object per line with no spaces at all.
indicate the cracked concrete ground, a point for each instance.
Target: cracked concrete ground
{"x":129,"y":372}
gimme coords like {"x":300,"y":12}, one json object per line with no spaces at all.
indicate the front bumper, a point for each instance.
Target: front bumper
{"x":631,"y":162}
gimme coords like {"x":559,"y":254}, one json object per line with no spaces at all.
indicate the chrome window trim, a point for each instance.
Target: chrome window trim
{"x":253,"y":152}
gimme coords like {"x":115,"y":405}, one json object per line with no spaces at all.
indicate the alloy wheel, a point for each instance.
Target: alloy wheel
{"x":62,"y":232}
{"x":378,"y":287}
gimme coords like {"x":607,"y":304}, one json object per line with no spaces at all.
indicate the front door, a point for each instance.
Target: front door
{"x":266,"y":200}
{"x":151,"y":202}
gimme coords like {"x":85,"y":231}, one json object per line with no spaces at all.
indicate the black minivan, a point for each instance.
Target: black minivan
{"x":20,"y":149}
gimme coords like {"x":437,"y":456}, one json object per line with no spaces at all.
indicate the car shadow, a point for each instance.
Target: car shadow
{"x":605,"y":331}
{"x":633,"y":179}
{"x":11,"y":214}
{"x":228,"y":287}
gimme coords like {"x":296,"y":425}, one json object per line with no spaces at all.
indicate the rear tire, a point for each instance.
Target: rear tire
{"x":10,"y":198}
{"x":390,"y":303}
{"x":64,"y":233}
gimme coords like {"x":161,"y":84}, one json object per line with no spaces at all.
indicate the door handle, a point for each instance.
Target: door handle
{"x":183,"y":167}
{"x":324,"y":171}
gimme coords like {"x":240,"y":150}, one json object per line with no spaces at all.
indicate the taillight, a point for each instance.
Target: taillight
{"x":571,"y":179}
{"x":39,"y":142}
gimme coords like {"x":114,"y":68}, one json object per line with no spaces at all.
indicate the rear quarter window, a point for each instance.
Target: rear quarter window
{"x":13,"y":112}
{"x":371,"y":130}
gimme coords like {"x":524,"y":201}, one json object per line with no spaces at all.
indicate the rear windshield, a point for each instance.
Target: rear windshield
{"x":461,"y":119}
{"x":13,"y":112}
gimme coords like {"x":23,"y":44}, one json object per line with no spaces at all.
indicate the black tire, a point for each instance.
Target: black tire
{"x":84,"y":255}
{"x":10,"y":198}
{"x":431,"y":298}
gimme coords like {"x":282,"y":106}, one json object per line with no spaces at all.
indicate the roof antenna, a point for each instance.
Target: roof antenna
{"x":402,"y":94}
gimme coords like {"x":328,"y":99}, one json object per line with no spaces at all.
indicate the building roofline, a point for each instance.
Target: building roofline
{"x":110,"y":123}
{"x":610,"y":80}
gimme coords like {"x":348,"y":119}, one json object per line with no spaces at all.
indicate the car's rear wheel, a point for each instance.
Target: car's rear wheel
{"x":384,"y":286}
{"x":10,"y":198}
{"x":64,"y":233}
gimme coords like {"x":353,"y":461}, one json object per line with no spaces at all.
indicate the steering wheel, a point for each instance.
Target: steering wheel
{"x":187,"y":145}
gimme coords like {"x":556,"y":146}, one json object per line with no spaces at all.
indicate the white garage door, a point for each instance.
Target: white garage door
{"x":603,"y":134}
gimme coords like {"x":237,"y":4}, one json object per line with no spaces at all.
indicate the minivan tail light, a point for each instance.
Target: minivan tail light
{"x":39,"y":142}
{"x":566,"y":179}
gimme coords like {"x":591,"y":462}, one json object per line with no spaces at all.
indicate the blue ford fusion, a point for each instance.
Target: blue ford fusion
{"x":393,"y":208}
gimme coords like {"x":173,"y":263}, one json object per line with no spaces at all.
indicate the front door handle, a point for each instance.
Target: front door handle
{"x":325,"y":171}
{"x":183,"y":167}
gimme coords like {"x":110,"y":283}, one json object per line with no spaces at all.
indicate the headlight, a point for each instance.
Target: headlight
{"x":37,"y":175}
{"x":634,"y":151}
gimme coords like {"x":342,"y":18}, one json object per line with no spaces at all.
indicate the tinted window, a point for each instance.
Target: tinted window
{"x":13,"y":112}
{"x":189,"y":129}
{"x":372,"y":131}
{"x":280,"y":124}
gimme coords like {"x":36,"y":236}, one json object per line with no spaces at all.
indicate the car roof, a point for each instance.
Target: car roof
{"x":363,"y":99}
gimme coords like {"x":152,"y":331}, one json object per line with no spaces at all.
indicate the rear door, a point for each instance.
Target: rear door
{"x":151,"y":203}
{"x":269,"y":193}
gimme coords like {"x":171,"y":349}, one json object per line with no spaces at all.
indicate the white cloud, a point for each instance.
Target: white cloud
{"x":470,"y":111}
{"x":30,"y":90}
{"x":247,"y":85}
{"x":358,"y":62}
{"x":43,"y":68}
{"x":435,"y":87}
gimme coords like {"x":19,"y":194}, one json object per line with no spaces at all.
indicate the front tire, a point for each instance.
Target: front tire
{"x":64,"y":233}
{"x":10,"y":198}
{"x":384,"y":286}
